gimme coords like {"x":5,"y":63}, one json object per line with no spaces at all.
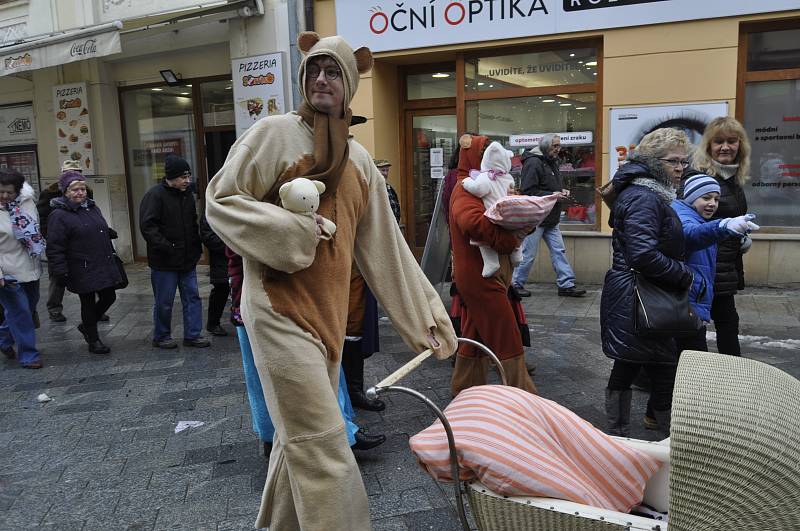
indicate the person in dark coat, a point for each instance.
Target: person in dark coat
{"x":724,"y":153}
{"x":168,"y":223}
{"x":647,"y":237}
{"x":80,"y":254}
{"x":218,"y":275}
{"x":540,"y":177}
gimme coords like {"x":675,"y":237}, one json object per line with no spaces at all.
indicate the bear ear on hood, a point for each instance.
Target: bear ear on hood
{"x":363,"y":60}
{"x":306,"y":40}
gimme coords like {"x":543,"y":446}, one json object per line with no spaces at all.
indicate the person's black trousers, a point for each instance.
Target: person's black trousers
{"x":662,"y":380}
{"x":93,"y":305}
{"x":217,"y":300}
{"x":726,"y":321}
{"x":55,"y":297}
{"x":695,"y":342}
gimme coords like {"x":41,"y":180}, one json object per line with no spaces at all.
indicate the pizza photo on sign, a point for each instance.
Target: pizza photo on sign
{"x":254,"y":107}
{"x":61,"y":115}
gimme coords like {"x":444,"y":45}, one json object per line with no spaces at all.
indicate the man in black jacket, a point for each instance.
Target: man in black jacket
{"x":540,"y":177}
{"x":168,"y":222}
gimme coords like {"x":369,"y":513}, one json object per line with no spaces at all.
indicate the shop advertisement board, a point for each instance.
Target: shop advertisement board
{"x":627,"y":125}
{"x":257,"y":89}
{"x":571,"y":138}
{"x":419,"y":23}
{"x":17,"y":125}
{"x":73,"y":126}
{"x":24,"y":161}
{"x":78,"y":49}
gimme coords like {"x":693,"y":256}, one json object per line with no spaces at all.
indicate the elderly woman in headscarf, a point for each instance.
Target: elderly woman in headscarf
{"x":21,"y":248}
{"x":647,"y":237}
{"x":487,"y":314}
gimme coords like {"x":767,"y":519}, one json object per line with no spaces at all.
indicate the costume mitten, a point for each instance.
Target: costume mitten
{"x":491,"y":261}
{"x":746,"y":244}
{"x":516,"y":257}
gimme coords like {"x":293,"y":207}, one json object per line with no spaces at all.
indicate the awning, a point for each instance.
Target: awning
{"x":61,"y":48}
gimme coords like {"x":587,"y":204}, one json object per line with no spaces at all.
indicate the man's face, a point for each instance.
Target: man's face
{"x":555,"y":148}
{"x":384,"y":171}
{"x":325,"y":86}
{"x":181,"y":182}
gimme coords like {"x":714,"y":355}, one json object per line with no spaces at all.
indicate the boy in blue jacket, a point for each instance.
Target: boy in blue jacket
{"x":699,"y":203}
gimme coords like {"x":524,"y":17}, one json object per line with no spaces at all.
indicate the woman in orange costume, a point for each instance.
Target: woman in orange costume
{"x":488,"y":316}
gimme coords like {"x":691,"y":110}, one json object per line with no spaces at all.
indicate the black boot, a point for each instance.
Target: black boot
{"x":618,"y":411}
{"x":664,"y":420}
{"x":367,"y":442}
{"x":267,"y":452}
{"x":353,"y":366}
{"x":98,"y":347}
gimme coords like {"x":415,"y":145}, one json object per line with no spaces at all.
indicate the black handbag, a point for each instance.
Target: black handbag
{"x":661,"y":312}
{"x":123,"y":283}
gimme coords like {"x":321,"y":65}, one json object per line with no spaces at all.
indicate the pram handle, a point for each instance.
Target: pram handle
{"x":403,"y":371}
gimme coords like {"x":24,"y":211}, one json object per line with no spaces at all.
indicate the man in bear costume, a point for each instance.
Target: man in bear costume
{"x":297,"y":282}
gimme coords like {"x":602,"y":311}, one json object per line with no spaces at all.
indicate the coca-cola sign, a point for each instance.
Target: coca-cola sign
{"x":87,"y":47}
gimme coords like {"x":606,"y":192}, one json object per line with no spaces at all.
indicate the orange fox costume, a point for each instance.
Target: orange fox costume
{"x":296,"y":287}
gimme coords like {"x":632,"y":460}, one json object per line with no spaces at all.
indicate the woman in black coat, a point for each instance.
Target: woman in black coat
{"x":724,"y":153}
{"x":647,"y":237}
{"x":81,"y":256}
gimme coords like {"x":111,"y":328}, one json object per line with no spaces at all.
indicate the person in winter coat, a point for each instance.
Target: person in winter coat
{"x":21,"y":247}
{"x":55,"y":293}
{"x":540,"y":177}
{"x":724,"y":153}
{"x":168,"y":223}
{"x":80,"y":254}
{"x":647,"y":237}
{"x":218,"y":275}
{"x":486,"y":313}
{"x":701,"y":234}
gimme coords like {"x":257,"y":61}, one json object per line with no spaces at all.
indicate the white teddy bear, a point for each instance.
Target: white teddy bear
{"x":301,"y":196}
{"x":492,"y":183}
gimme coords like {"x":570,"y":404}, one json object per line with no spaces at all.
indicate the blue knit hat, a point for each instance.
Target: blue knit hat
{"x":698,"y":186}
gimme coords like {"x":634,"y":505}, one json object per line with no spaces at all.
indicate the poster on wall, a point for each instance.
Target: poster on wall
{"x":154,"y":153}
{"x":23,"y":161}
{"x":257,"y":89}
{"x":629,"y":124}
{"x":17,"y":126}
{"x":73,"y":127}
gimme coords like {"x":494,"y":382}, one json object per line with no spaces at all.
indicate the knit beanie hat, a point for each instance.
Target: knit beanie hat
{"x":496,"y":157}
{"x":351,"y":63}
{"x":175,"y":166}
{"x":697,"y":186}
{"x":69,"y":177}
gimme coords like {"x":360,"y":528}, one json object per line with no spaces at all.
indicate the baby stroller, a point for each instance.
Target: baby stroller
{"x":732,"y":461}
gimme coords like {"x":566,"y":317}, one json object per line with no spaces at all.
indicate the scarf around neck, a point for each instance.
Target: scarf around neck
{"x":331,"y":150}
{"x":726,"y":171}
{"x":25,"y":229}
{"x":664,"y":192}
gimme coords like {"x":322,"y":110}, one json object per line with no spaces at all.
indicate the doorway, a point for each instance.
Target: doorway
{"x":431,"y":137}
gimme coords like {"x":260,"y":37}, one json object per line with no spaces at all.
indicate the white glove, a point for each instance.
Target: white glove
{"x":746,"y":244}
{"x":741,"y":225}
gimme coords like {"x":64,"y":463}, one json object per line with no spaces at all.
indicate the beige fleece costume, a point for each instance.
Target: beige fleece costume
{"x":295,"y":296}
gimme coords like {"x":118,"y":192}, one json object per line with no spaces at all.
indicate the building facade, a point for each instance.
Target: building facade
{"x":118,"y":84}
{"x":602,"y":73}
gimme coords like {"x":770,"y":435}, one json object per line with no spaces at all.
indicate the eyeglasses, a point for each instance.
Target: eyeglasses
{"x":331,"y":72}
{"x":676,"y":162}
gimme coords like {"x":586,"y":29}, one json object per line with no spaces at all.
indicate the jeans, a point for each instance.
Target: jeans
{"x":565,"y":277}
{"x":662,"y":381}
{"x":164,"y":285}
{"x":19,"y":302}
{"x":55,"y":297}
{"x":726,"y":321}
{"x":262,"y":423}
{"x":93,"y":305}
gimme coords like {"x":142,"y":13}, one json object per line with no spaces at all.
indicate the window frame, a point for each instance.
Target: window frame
{"x":745,"y":76}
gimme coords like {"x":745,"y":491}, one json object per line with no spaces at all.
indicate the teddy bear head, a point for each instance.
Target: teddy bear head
{"x":301,"y":195}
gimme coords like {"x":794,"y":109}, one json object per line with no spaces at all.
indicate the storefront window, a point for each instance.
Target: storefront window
{"x":158,"y":121}
{"x":431,"y":85}
{"x":529,"y":70}
{"x":772,"y":121}
{"x":773,"y":50}
{"x":217,"y":101}
{"x":519,"y":123}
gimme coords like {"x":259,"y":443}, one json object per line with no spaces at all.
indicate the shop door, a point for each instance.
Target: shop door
{"x":430,"y":140}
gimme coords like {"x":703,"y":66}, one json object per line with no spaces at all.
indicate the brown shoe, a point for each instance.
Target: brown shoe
{"x":9,"y":352}
{"x":34,"y":365}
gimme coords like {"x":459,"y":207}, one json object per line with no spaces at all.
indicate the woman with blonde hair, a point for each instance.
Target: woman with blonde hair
{"x":647,"y":237}
{"x":724,"y":153}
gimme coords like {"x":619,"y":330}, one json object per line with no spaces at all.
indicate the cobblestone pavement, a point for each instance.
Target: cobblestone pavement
{"x":103,"y":454}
